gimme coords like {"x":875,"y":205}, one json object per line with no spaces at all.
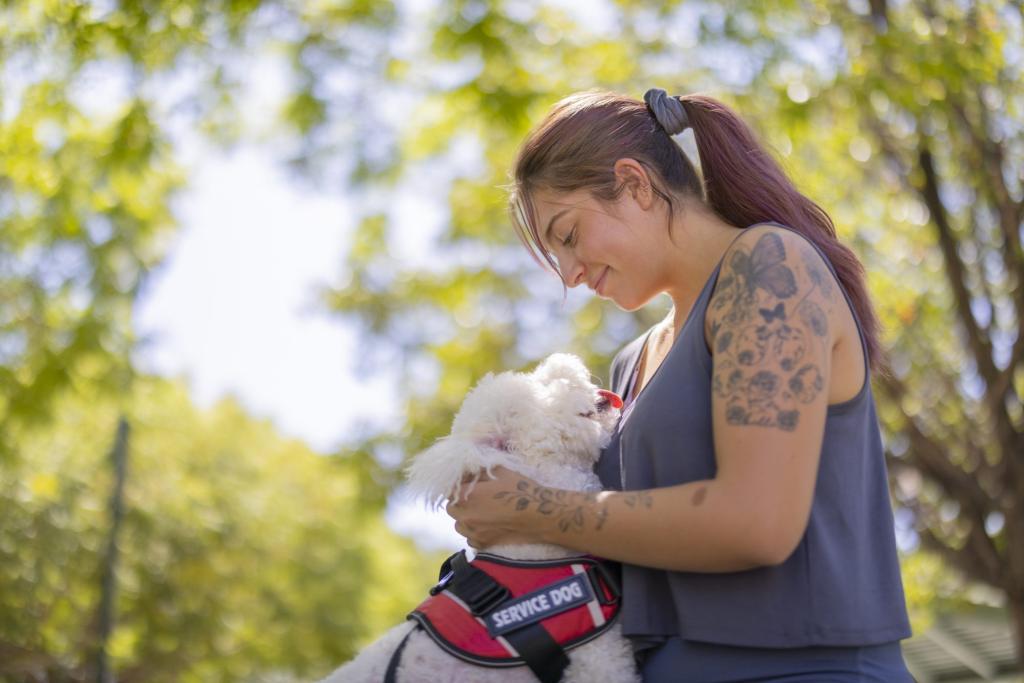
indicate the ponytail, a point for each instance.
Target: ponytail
{"x":745,"y":186}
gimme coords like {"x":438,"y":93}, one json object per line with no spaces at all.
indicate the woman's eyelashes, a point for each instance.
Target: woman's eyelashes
{"x":570,"y":238}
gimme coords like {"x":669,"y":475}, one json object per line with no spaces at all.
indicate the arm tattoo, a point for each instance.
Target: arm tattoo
{"x":699,"y":496}
{"x":762,"y":328}
{"x":637,"y":499}
{"x":570,"y":509}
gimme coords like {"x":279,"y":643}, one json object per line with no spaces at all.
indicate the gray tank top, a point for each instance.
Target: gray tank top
{"x":842,"y":584}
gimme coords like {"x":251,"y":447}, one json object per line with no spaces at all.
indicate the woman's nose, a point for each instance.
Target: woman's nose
{"x":577,"y":274}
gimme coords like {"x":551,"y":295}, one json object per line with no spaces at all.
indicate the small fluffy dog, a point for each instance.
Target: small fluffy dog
{"x":549,"y":425}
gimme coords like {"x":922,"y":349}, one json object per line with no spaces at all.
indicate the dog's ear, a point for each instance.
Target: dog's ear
{"x":437,"y":472}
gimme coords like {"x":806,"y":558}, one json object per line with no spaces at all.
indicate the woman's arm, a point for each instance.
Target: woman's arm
{"x":691,"y":527}
{"x":771,"y":322}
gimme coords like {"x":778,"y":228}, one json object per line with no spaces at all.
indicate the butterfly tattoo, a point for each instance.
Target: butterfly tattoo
{"x":779,"y":313}
{"x":765,"y":267}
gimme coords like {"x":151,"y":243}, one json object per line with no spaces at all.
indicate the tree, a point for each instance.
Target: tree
{"x":242,"y":553}
{"x":938,"y":100}
{"x":90,"y":167}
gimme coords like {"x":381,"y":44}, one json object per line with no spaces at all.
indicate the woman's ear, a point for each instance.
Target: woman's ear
{"x":631,"y":173}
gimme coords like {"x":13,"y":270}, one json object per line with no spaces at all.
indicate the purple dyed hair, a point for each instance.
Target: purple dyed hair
{"x":577,"y":144}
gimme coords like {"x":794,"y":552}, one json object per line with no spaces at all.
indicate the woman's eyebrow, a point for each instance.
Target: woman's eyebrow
{"x":551,"y":223}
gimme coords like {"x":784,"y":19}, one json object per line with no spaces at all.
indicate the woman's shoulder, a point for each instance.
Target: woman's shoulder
{"x":774,"y":240}
{"x":777,"y":280}
{"x":776,"y":260}
{"x":773,"y":281}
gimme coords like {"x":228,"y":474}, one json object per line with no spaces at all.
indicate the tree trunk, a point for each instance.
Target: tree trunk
{"x":119,"y":456}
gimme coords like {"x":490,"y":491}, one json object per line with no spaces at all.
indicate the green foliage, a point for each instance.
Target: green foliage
{"x":87,"y":205}
{"x":935,"y":590}
{"x":242,"y":553}
{"x":90,"y":176}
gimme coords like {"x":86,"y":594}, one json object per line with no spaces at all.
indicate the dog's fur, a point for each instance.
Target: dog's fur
{"x":550,"y":426}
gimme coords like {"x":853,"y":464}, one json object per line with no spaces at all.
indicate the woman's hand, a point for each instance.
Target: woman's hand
{"x":489,"y":516}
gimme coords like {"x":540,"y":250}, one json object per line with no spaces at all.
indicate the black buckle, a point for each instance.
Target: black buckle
{"x":599,"y":574}
{"x":444,"y":577}
{"x":443,"y":583}
{"x":481,"y":593}
{"x":474,"y":587}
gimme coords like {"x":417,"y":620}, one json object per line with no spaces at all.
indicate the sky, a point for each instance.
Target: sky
{"x":232,"y":309}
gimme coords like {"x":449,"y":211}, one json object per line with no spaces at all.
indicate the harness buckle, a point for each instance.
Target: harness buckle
{"x":443,"y":583}
{"x":445,"y":575}
{"x":600,"y":576}
{"x":476,"y":588}
{"x":481,"y":593}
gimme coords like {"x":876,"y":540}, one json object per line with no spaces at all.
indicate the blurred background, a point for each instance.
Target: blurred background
{"x":253,"y":253}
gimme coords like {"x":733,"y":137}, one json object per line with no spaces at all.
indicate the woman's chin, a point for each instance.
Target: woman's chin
{"x":625,"y":304}
{"x":628,"y":303}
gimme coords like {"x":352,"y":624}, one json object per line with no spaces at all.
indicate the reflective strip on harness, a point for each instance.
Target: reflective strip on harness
{"x":594,"y":607}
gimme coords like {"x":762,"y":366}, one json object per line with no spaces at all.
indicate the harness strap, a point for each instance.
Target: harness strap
{"x":482,"y":594}
{"x":396,"y":656}
{"x":599,"y":576}
{"x":545,"y":657}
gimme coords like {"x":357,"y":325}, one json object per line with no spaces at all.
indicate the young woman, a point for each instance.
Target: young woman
{"x":746,"y":494}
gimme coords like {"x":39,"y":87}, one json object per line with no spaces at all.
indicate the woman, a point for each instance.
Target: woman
{"x":746,"y":485}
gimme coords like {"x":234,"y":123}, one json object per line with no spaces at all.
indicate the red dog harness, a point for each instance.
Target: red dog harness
{"x":498,"y":612}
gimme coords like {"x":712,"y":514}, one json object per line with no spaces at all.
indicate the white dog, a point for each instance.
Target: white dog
{"x":549,"y":425}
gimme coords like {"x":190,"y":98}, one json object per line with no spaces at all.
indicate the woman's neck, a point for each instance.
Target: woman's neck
{"x":702,"y":239}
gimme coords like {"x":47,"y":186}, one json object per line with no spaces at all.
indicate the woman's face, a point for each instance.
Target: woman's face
{"x":613,"y":249}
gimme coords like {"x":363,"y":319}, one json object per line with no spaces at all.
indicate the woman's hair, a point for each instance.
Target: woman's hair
{"x":577,"y":144}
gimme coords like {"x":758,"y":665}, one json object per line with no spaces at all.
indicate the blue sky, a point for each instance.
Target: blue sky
{"x":231,"y":310}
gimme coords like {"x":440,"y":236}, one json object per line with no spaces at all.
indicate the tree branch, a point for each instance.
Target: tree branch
{"x":964,"y":560}
{"x":955,"y":270}
{"x":930,"y":458}
{"x":991,"y":159}
{"x":977,"y":557}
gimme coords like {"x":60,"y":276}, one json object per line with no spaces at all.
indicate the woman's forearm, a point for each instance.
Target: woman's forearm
{"x":691,"y":527}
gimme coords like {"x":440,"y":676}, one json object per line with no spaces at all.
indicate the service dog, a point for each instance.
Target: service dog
{"x":513,"y":612}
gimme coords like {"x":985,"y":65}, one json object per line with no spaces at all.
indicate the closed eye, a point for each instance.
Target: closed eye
{"x":569,"y":238}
